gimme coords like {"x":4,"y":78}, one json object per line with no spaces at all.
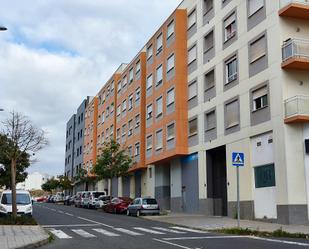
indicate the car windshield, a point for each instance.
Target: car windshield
{"x":98,"y":194}
{"x":21,"y":199}
{"x":149,"y":201}
{"x":105,"y":198}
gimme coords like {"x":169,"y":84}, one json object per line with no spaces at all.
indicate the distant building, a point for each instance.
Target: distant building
{"x":34,"y":181}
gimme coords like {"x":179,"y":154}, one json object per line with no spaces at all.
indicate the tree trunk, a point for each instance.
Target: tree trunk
{"x":111,"y":189}
{"x":13,"y":187}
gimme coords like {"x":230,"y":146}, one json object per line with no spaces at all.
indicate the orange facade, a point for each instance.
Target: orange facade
{"x":90,"y":138}
{"x":156,"y":77}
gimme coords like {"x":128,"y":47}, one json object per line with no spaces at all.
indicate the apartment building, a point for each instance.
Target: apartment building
{"x":75,"y":143}
{"x":219,"y":76}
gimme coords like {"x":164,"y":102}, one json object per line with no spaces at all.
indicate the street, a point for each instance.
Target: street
{"x":82,"y":228}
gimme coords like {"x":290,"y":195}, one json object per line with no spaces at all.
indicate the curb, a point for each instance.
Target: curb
{"x":35,"y":244}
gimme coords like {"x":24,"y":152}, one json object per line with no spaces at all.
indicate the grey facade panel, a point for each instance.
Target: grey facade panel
{"x":256,"y":18}
{"x":225,"y":2}
{"x":209,"y":94}
{"x":170,"y":108}
{"x":138,"y":184}
{"x":192,"y":67}
{"x":170,"y":144}
{"x":70,"y":147}
{"x":208,"y":55}
{"x":193,"y":140}
{"x":170,"y":74}
{"x":230,"y":41}
{"x":208,"y":16}
{"x":176,"y":204}
{"x":126,"y":186}
{"x":192,"y":102}
{"x":292,"y":214}
{"x":148,"y":153}
{"x":170,"y":40}
{"x":114,"y":184}
{"x":246,"y":209}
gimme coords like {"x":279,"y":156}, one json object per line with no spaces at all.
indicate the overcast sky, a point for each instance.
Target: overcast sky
{"x":57,"y":52}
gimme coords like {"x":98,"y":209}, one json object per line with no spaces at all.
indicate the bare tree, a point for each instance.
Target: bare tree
{"x":25,"y":138}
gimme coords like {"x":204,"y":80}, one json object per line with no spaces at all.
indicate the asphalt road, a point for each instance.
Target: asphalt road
{"x":91,"y":229}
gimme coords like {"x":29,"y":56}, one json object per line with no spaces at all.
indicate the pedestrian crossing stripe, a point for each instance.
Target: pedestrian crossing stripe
{"x":168,"y":230}
{"x":107,"y":233}
{"x":129,"y":232}
{"x":60,"y":234}
{"x":188,"y":230}
{"x":147,"y":230}
{"x":83,"y":233}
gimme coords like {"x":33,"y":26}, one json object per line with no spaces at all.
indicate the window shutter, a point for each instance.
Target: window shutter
{"x":209,"y":79}
{"x":232,"y":113}
{"x":259,"y":92}
{"x":257,"y":48}
{"x":255,"y":5}
{"x":210,"y":120}
{"x":209,"y":41}
{"x":192,"y":54}
{"x":192,"y":90}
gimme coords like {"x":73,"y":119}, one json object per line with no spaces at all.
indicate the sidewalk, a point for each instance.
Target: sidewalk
{"x":212,"y":223}
{"x":22,"y":237}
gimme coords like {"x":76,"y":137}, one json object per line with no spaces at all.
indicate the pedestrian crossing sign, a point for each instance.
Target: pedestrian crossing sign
{"x":238,"y":159}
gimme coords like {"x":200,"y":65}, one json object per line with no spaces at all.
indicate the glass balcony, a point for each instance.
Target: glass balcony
{"x":297,"y":109}
{"x":294,"y":8}
{"x":295,"y":54}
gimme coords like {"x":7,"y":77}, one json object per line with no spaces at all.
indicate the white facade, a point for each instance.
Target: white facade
{"x":33,"y":181}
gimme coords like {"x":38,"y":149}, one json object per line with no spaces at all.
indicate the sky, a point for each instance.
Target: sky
{"x":55,"y":53}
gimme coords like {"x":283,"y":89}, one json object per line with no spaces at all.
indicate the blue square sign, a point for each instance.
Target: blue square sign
{"x":238,"y":159}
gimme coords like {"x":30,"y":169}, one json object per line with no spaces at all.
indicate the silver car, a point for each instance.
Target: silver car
{"x":143,"y":206}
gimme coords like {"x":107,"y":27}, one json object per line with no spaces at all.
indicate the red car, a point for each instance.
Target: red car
{"x":41,"y":199}
{"x":117,"y":205}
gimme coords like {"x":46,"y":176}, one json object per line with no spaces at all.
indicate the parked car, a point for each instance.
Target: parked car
{"x":102,"y":201}
{"x":59,"y":197}
{"x":91,"y":197}
{"x":78,"y":199}
{"x":117,"y":205}
{"x":68,"y":200}
{"x":23,"y":201}
{"x":41,"y":199}
{"x":143,"y":206}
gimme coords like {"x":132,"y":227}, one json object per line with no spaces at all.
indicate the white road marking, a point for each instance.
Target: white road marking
{"x":69,"y":214}
{"x":189,"y":230}
{"x":127,"y":231}
{"x":208,"y":237}
{"x":53,"y":209}
{"x":107,"y":233}
{"x":61,"y":212}
{"x":280,"y":241}
{"x":60,"y":234}
{"x":147,"y":230}
{"x":168,"y":230}
{"x":83,"y":233}
{"x":71,"y":225}
{"x":95,"y":222}
{"x":173,"y":244}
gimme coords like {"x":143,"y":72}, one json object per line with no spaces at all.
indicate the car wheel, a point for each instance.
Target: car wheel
{"x":128,"y":212}
{"x":138,"y":213}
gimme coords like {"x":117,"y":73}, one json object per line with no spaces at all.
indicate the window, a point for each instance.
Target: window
{"x":119,"y":87}
{"x":103,"y":100}
{"x":231,"y":69}
{"x":170,"y":98}
{"x":137,"y":94}
{"x":192,"y":54}
{"x":159,"y":75}
{"x":106,"y":133}
{"x":118,"y":110}
{"x":131,"y":76}
{"x":111,"y":131}
{"x":170,"y":132}
{"x":112,"y":108}
{"x":137,"y":149}
{"x":208,"y":5}
{"x":149,"y":111}
{"x":125,"y":81}
{"x":130,"y":150}
{"x":149,"y":81}
{"x":159,"y":140}
{"x":130,"y":102}
{"x":192,"y":90}
{"x":159,"y":106}
{"x":265,"y":176}
{"x":170,"y":63}
{"x":260,"y":98}
{"x":103,"y":118}
{"x":170,"y":29}
{"x":138,"y":68}
{"x":107,"y":111}
{"x":112,"y":86}
{"x":149,"y":52}
{"x":149,"y":142}
{"x":124,"y":105}
{"x":137,"y":120}
{"x":232,"y":114}
{"x":192,"y":127}
{"x":192,"y":19}
{"x":124,"y":127}
{"x":159,"y":43}
{"x":210,"y":121}
{"x":230,"y":27}
{"x":254,"y":6}
{"x":210,"y":79}
{"x":118,"y":133}
{"x":257,"y":49}
{"x":130,"y":127}
{"x":209,"y":41}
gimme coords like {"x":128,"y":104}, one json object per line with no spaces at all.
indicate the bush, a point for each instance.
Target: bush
{"x":22,"y":220}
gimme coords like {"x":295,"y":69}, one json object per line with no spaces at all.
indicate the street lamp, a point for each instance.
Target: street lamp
{"x":2,"y":28}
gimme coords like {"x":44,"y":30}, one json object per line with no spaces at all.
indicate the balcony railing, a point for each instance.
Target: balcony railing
{"x":297,"y":109}
{"x":284,"y":3}
{"x":295,"y":48}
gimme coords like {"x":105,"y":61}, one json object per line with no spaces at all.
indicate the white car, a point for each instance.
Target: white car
{"x":23,"y":201}
{"x":90,"y":198}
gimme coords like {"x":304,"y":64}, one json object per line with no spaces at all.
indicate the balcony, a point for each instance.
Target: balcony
{"x":295,"y":54}
{"x":297,"y":110}
{"x":294,"y":8}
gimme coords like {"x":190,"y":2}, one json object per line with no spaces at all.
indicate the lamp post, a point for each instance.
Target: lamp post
{"x":2,"y":28}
